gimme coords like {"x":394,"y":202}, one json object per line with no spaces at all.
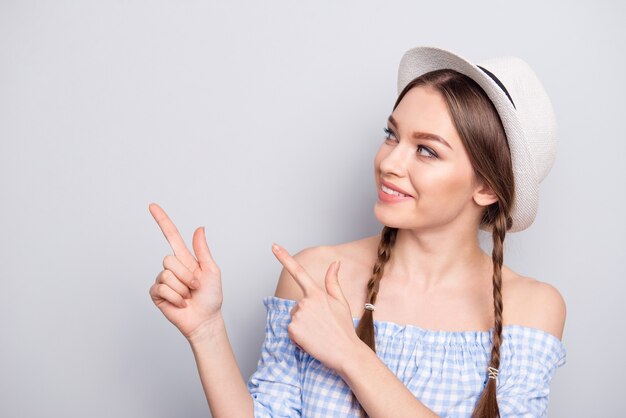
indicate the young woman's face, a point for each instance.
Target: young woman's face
{"x":438,"y":178}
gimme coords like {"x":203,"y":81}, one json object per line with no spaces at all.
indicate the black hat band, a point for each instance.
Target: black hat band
{"x":494,"y":78}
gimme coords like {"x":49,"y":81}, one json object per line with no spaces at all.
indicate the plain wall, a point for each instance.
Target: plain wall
{"x":260,"y":120}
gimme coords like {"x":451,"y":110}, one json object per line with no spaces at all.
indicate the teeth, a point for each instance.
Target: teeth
{"x":391,"y":191}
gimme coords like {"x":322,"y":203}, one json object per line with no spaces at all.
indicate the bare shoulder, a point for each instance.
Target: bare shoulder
{"x":354,"y":256}
{"x":536,"y":304}
{"x":314,"y":260}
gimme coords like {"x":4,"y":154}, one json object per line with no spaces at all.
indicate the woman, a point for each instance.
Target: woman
{"x":456,"y":332}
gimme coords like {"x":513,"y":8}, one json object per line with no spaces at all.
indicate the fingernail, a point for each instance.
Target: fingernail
{"x":184,"y":304}
{"x":337,"y":266}
{"x":275,"y":248}
{"x":195,"y":283}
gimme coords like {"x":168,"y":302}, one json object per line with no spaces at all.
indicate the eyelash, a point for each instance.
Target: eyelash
{"x":431,"y":152}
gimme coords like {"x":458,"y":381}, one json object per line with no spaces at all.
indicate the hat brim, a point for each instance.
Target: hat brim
{"x":423,"y":59}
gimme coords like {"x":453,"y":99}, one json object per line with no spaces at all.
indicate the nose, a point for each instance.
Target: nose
{"x":396,"y":161}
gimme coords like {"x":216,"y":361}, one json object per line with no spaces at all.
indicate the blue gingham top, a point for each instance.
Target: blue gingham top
{"x":445,"y":370}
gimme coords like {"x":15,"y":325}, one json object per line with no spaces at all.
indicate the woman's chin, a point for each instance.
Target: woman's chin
{"x":387,"y":217}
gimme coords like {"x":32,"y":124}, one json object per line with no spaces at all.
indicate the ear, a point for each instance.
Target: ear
{"x":483,"y":194}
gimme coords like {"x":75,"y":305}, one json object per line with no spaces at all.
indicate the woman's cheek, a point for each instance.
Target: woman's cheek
{"x":444,"y":190}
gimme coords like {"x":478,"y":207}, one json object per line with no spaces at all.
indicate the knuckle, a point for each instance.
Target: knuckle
{"x":162,"y":278}
{"x":158,"y":289}
{"x":297,"y":314}
{"x":162,"y":289}
{"x":174,"y":279}
{"x":168,"y":275}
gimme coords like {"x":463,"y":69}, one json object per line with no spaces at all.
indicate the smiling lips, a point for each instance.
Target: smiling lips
{"x":391,"y":191}
{"x":391,"y":195}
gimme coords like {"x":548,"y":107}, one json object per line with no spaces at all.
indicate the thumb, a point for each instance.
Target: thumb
{"x":203,"y":254}
{"x":332,"y":283}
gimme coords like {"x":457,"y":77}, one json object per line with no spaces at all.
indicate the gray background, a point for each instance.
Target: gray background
{"x":261,"y":121}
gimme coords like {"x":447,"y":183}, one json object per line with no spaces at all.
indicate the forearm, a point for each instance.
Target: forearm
{"x":378,"y":390}
{"x":224,"y":387}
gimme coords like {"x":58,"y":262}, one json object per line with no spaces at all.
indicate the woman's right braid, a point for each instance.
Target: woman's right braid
{"x":365,"y":329}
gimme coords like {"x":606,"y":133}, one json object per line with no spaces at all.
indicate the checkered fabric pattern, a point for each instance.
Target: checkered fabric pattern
{"x":445,"y":370}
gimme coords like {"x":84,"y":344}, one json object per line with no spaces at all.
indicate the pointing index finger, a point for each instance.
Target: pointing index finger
{"x":300,"y":275}
{"x":173,"y":237}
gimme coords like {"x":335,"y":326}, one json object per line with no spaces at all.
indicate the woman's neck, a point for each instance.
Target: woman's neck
{"x":434,"y":259}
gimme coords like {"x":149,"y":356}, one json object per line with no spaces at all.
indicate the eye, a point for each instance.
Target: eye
{"x":431,"y":153}
{"x":388,"y":132}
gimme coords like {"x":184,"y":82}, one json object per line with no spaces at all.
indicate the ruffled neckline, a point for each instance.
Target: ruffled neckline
{"x":386,"y":329}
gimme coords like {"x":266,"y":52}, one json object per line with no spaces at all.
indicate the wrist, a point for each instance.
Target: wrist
{"x":355,"y":359}
{"x":207,"y":331}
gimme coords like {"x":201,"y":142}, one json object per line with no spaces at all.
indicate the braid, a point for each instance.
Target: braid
{"x":365,"y":329}
{"x":487,"y":404}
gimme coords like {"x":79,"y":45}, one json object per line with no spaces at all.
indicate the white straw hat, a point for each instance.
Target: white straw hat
{"x":524,"y":108}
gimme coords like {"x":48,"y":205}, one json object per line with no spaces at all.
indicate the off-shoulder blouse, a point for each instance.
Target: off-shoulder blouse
{"x":445,"y":370}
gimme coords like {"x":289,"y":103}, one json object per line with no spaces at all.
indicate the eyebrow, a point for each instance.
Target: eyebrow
{"x":422,"y":135}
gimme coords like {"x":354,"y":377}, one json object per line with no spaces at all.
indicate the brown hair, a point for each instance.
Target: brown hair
{"x":483,"y":136}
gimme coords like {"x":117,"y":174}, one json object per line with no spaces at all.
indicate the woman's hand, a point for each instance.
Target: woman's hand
{"x":321,"y":322}
{"x":189,"y":289}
